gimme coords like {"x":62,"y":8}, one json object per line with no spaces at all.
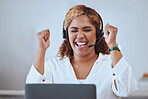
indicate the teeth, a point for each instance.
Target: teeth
{"x":81,"y":43}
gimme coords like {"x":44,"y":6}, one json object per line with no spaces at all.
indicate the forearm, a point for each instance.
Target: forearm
{"x":39,"y":61}
{"x":115,"y":55}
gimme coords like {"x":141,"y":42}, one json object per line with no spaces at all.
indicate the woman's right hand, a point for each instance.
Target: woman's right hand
{"x":43,"y":39}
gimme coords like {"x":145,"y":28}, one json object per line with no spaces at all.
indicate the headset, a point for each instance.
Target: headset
{"x":99,"y":33}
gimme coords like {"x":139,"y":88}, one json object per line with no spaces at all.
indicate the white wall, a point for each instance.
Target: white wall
{"x":20,"y":20}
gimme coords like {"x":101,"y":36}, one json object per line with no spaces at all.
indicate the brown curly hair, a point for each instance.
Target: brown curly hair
{"x":65,"y":49}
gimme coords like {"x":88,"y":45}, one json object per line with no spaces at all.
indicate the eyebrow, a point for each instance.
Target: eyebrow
{"x":83,"y":27}
{"x":73,"y":28}
{"x":86,"y":27}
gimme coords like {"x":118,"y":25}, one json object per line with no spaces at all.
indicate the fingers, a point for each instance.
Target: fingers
{"x":108,"y":26}
{"x":43,"y":34}
{"x":111,"y":33}
{"x":110,"y":29}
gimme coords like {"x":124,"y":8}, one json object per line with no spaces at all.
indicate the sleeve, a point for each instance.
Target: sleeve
{"x":122,"y":74}
{"x":35,"y":77}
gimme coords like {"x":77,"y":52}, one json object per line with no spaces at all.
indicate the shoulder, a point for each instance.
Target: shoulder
{"x":104,"y":57}
{"x":57,"y":62}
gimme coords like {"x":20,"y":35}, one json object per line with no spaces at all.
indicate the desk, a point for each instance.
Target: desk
{"x":12,"y":94}
{"x":141,"y":93}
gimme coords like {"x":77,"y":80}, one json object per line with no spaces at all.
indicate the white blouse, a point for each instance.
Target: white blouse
{"x":102,"y":75}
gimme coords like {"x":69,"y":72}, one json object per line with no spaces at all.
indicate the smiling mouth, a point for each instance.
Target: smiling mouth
{"x":81,"y":44}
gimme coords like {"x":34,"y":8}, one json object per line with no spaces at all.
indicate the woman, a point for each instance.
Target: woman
{"x":81,"y":61}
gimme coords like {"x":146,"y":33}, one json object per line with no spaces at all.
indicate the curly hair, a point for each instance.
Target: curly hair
{"x":66,"y":49}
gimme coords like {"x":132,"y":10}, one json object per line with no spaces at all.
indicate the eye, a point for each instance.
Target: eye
{"x":74,"y":31}
{"x":88,"y":30}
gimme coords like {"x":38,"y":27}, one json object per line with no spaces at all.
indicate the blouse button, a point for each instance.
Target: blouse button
{"x":113,"y":74}
{"x":43,"y":80}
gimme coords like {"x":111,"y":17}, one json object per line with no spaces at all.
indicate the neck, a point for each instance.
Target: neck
{"x":91,"y":57}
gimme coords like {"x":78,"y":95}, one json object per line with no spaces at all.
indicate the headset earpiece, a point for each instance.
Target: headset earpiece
{"x":99,"y":33}
{"x":65,"y":34}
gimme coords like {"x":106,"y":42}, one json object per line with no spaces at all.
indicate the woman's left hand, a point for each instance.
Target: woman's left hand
{"x":111,"y":33}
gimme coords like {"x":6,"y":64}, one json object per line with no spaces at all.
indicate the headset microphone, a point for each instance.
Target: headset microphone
{"x":97,"y":42}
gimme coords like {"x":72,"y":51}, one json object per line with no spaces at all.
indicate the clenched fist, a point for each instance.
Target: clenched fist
{"x":43,"y":39}
{"x":111,"y":33}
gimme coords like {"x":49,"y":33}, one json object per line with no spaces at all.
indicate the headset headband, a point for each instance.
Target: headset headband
{"x":65,"y":32}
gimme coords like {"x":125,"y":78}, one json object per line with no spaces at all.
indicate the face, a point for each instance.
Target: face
{"x":82,"y":33}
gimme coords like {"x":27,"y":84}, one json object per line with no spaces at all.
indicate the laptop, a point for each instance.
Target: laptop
{"x":60,"y":91}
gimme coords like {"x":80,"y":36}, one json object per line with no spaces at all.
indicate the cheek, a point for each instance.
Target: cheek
{"x":92,"y":37}
{"x":71,"y":39}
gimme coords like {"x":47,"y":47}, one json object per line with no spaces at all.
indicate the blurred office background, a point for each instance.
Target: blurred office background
{"x":20,"y":20}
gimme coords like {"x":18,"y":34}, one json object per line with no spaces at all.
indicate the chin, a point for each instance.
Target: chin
{"x":81,"y":53}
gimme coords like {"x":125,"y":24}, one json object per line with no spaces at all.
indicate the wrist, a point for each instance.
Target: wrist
{"x":40,"y":50}
{"x":112,"y":45}
{"x":114,"y":48}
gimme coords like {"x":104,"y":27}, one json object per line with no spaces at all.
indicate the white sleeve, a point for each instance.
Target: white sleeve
{"x":35,"y":77}
{"x":122,"y":74}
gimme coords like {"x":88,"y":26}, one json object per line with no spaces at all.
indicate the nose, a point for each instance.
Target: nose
{"x":80,"y":35}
